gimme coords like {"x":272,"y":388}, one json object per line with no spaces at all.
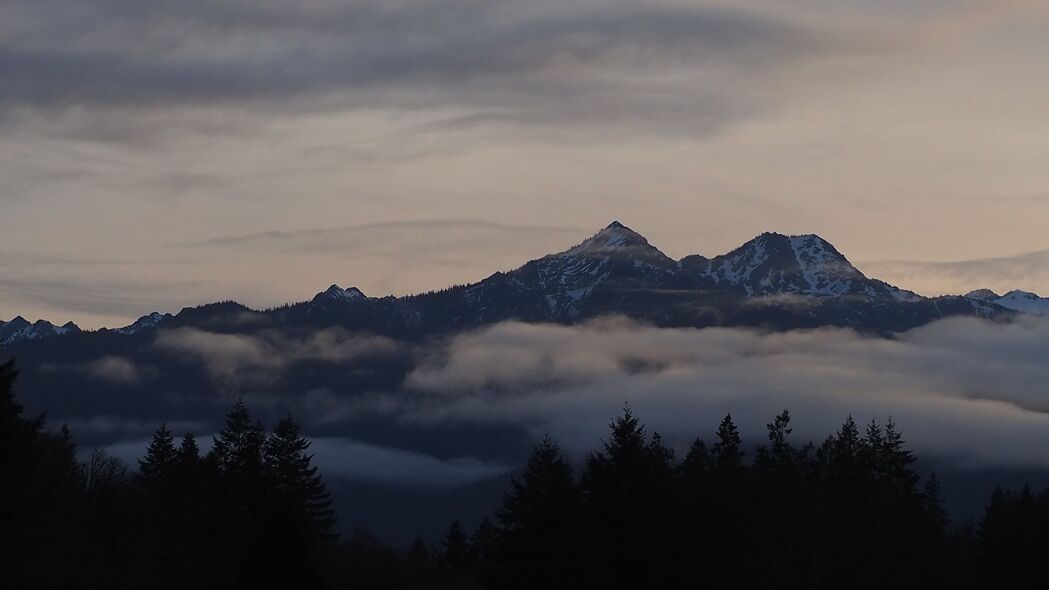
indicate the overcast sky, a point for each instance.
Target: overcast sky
{"x":166,"y":153}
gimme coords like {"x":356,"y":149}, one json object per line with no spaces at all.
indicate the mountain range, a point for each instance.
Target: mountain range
{"x":774,"y":281}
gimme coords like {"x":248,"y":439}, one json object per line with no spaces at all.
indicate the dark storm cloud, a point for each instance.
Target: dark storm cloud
{"x":498,"y":61}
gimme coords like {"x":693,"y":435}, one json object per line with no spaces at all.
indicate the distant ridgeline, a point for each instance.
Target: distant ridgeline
{"x":254,"y":513}
{"x":774,"y":281}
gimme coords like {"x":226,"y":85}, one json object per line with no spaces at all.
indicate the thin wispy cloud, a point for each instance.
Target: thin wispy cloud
{"x":1028,"y":272}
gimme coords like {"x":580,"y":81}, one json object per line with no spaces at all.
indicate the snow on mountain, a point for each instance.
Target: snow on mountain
{"x":617,"y":271}
{"x":146,"y":322}
{"x":616,"y":253}
{"x":20,"y":329}
{"x":1021,"y":301}
{"x":336,"y":293}
{"x":775,"y":264}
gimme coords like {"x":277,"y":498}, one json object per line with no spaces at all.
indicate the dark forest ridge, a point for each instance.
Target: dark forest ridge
{"x":774,"y":281}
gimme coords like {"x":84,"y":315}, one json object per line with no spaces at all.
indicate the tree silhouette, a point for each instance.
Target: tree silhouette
{"x":295,"y":479}
{"x":455,"y":548}
{"x":161,"y":457}
{"x":728,"y":451}
{"x":538,"y":522}
{"x":625,"y":488}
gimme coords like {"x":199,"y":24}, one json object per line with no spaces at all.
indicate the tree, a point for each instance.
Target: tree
{"x":695,"y":469}
{"x":455,"y":548}
{"x":728,"y":452}
{"x":626,"y":488}
{"x":237,"y":449}
{"x":896,"y":461}
{"x":188,"y":451}
{"x":295,"y":480}
{"x":538,"y":522}
{"x":40,"y":488}
{"x":161,"y":457}
{"x":299,"y":516}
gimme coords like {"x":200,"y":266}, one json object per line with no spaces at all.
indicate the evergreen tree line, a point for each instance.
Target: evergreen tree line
{"x":253,"y":512}
{"x":850,"y":512}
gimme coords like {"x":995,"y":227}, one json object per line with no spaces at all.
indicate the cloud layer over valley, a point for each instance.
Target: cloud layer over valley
{"x":964,"y":390}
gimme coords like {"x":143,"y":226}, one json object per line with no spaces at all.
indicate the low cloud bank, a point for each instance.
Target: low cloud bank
{"x":965,"y":390}
{"x":238,"y":359}
{"x":347,"y":459}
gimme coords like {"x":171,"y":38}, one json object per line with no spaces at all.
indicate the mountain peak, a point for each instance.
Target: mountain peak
{"x":337,"y":293}
{"x":1016,"y":300}
{"x":806,"y":264}
{"x":982,"y":295}
{"x":614,"y":237}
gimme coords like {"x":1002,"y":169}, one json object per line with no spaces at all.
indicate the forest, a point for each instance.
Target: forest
{"x":253,"y":512}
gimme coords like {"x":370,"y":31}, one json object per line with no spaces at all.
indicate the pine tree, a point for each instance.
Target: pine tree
{"x":40,"y":489}
{"x":295,"y":479}
{"x":846,"y":452}
{"x":237,"y":449}
{"x":728,"y":452}
{"x":626,"y":489}
{"x":188,"y":451}
{"x":538,"y":521}
{"x":695,"y":469}
{"x":418,"y":557}
{"x":896,"y":461}
{"x":161,"y":457}
{"x":482,"y":543}
{"x":455,"y":548}
{"x":778,"y":455}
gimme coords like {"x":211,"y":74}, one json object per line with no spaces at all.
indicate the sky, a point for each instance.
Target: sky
{"x":163,"y":154}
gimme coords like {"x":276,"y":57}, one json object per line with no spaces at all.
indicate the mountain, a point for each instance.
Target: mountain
{"x":773,"y":281}
{"x":143,"y":323}
{"x":1021,"y":301}
{"x":775,"y":264}
{"x":20,"y":329}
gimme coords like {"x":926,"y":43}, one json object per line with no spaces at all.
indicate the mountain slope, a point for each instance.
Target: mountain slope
{"x":1021,"y":301}
{"x":20,"y":329}
{"x":773,"y":281}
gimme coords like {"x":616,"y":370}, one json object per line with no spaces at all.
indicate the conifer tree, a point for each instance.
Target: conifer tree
{"x":625,"y":490}
{"x":697,"y":461}
{"x":161,"y":457}
{"x":237,"y":450}
{"x":482,"y":543}
{"x":418,"y":557}
{"x":455,"y":548}
{"x":188,"y":451}
{"x":295,"y":480}
{"x":538,"y":521}
{"x":728,"y":452}
{"x":897,"y":460}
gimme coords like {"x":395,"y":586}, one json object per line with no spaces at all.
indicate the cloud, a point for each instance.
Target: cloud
{"x":115,"y":369}
{"x":111,"y":369}
{"x":112,"y":427}
{"x":347,"y":459}
{"x":236,"y":359}
{"x":542,"y":64}
{"x":1029,"y":272}
{"x":964,"y":390}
